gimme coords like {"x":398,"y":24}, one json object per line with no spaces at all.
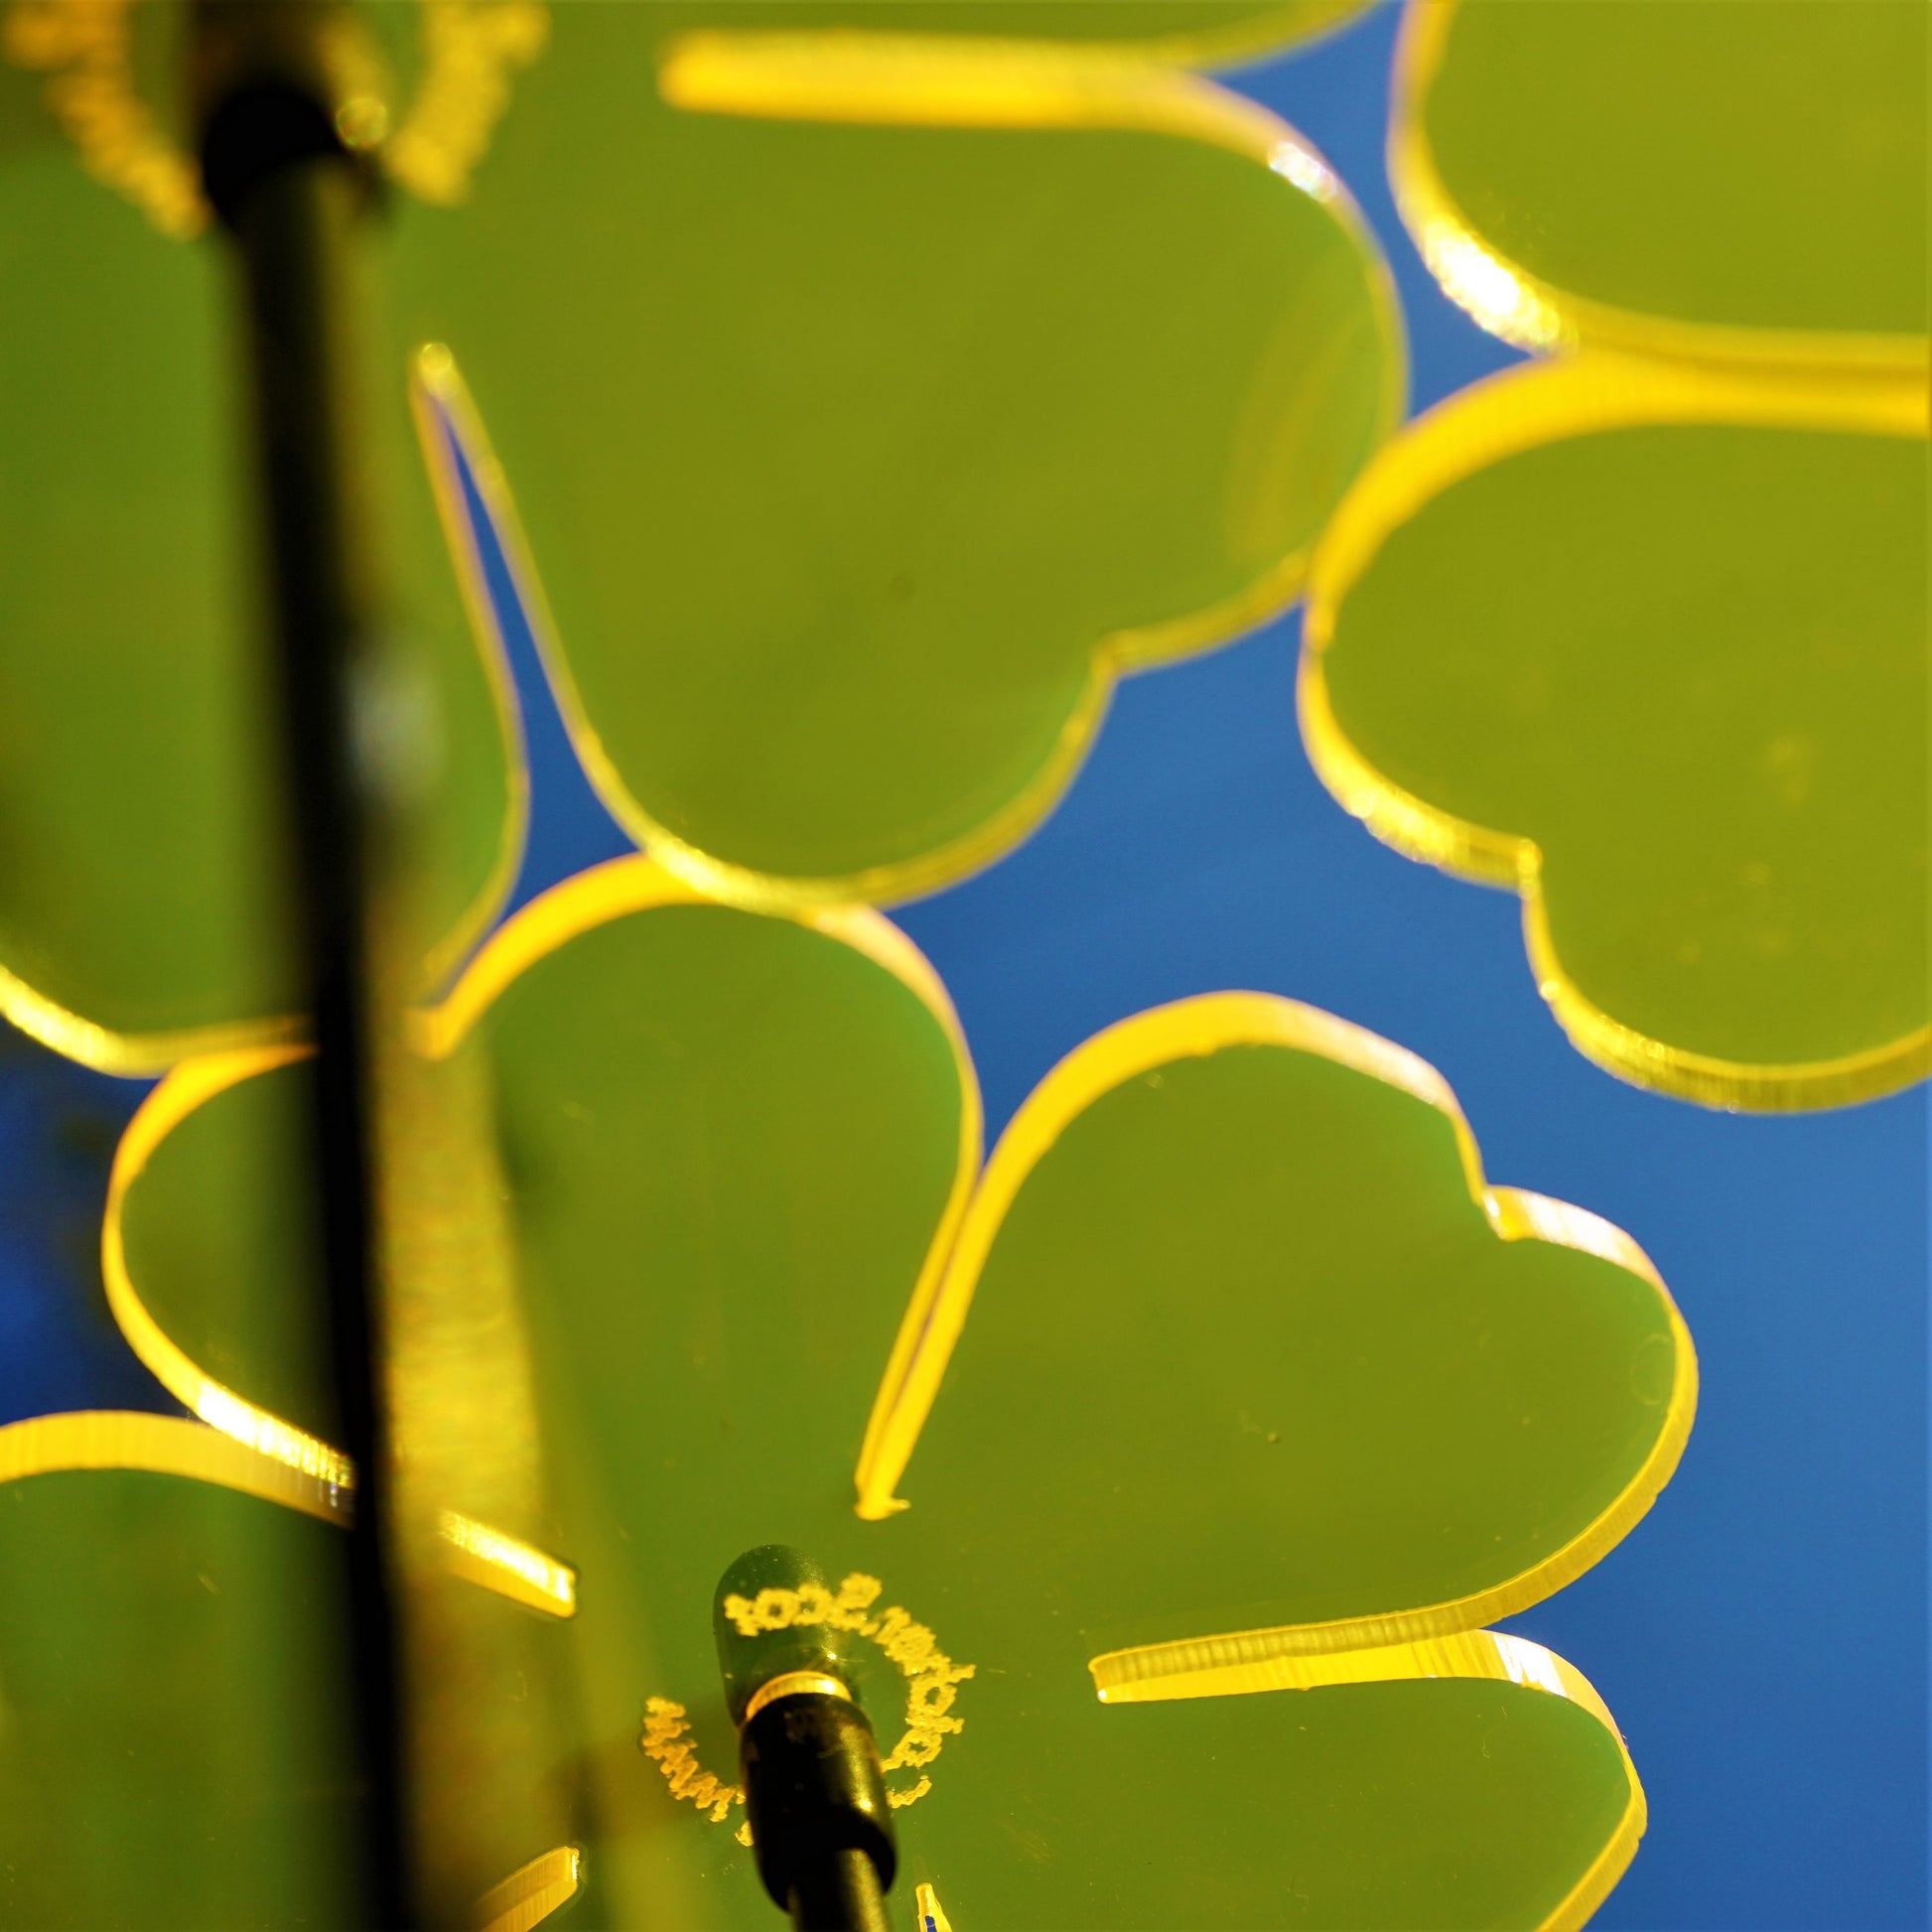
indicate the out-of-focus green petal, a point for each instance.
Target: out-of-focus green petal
{"x":859,"y":459}
{"x":1650,"y":645}
{"x":1683,"y":176}
{"x":176,"y":1750}
{"x":144,"y":910}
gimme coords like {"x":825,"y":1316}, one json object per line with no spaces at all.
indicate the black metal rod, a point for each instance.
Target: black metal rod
{"x":814,"y":1794}
{"x":292,"y":200}
{"x":838,"y":1892}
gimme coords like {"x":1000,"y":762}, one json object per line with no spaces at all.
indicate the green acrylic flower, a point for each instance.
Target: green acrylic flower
{"x":875,"y":399}
{"x":1265,"y":1402}
{"x":1644,"y":636}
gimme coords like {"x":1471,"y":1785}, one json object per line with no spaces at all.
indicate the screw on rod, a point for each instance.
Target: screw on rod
{"x":821,"y":1826}
{"x":268,"y":83}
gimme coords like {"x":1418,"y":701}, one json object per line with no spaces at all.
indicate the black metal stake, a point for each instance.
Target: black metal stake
{"x":821,"y":1822}
{"x":291,"y":197}
{"x":839,"y":1892}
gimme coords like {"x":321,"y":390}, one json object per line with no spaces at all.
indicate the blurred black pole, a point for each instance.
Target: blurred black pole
{"x":271,"y":103}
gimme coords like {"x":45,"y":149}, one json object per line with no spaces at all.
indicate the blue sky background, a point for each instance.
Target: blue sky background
{"x":1761,"y":1636}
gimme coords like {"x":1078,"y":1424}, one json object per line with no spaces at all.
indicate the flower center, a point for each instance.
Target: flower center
{"x":932,"y":1683}
{"x":471,"y":51}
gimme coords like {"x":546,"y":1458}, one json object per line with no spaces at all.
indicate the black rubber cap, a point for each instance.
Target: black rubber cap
{"x":258,"y":131}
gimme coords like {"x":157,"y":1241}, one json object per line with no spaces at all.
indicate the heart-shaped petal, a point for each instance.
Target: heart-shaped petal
{"x":1648,"y":644}
{"x":1685,"y":178}
{"x":795,"y":1088}
{"x":1473,"y":1781}
{"x":1254,"y":1350}
{"x":860,"y":459}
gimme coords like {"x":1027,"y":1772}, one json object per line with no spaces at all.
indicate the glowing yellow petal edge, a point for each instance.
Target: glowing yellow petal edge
{"x":190,"y":1086}
{"x":532,"y":1891}
{"x":1066,"y":91}
{"x":1486,"y":1654}
{"x":1272,"y":29}
{"x":130,"y":1055}
{"x":1509,"y":302}
{"x":883,"y":80}
{"x":487,"y":634}
{"x":506,"y":1564}
{"x":116,"y":1439}
{"x":638,"y":882}
{"x":488,"y":1556}
{"x":1196,"y":1028}
{"x":1502,"y":416}
{"x":918,"y":80}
